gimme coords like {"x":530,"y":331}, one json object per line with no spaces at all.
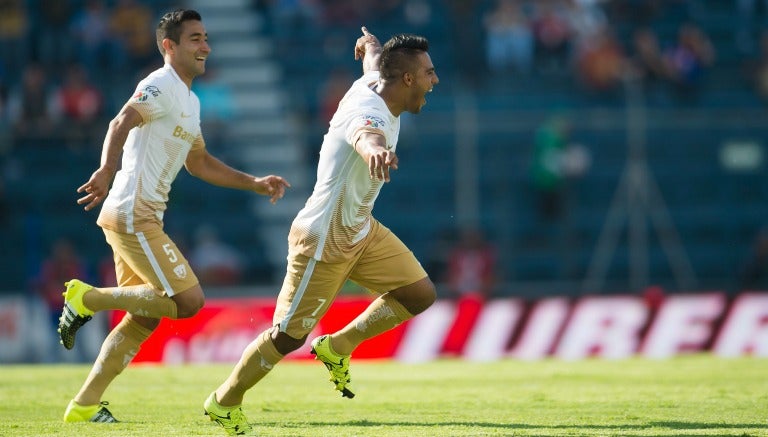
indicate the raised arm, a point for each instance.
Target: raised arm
{"x":368,"y":48}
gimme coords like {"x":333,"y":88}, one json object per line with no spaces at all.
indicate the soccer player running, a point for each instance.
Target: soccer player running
{"x":156,"y":132}
{"x":335,"y":237}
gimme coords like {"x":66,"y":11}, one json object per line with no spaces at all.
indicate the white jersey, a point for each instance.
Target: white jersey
{"x":337,"y":216}
{"x":154,"y":152}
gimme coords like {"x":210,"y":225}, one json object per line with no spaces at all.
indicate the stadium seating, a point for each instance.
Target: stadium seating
{"x":716,"y":211}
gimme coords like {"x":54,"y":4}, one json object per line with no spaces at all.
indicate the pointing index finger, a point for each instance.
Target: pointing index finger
{"x":365,"y":31}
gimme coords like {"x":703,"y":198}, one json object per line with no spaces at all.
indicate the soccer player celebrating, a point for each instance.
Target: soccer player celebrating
{"x":156,"y":132}
{"x":335,"y":237}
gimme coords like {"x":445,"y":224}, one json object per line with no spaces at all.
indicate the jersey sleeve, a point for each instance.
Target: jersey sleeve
{"x":364,"y":113}
{"x":370,"y":120}
{"x":150,"y":100}
{"x":199,"y":143}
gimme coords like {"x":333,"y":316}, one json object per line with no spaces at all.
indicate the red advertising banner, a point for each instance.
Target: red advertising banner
{"x":224,"y":327}
{"x":609,"y":327}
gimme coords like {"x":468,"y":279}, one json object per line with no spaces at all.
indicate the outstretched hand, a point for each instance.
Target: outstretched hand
{"x":365,"y":42}
{"x":96,"y":188}
{"x":379,"y":163}
{"x":272,"y":186}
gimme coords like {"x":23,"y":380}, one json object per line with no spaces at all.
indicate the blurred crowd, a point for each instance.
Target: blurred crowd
{"x":595,"y":43}
{"x":64,"y":66}
{"x":67,"y":66}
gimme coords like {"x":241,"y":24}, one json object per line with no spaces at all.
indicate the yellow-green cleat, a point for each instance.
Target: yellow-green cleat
{"x":88,"y":413}
{"x":74,"y":314}
{"x":231,"y":418}
{"x":337,"y":365}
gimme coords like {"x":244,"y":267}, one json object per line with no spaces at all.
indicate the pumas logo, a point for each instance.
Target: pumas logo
{"x":266,"y":365}
{"x":308,"y":323}
{"x":180,"y":271}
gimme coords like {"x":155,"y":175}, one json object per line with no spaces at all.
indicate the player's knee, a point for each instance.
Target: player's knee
{"x":145,"y":322}
{"x":416,"y":297}
{"x":426,"y":296}
{"x":286,"y":344}
{"x":189,"y":307}
{"x":189,"y":302}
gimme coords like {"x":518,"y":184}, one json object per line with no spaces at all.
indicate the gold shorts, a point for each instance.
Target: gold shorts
{"x":150,"y":257}
{"x":310,"y":286}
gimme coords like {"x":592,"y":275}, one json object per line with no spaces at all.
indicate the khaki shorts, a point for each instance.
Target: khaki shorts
{"x":310,"y":286}
{"x":150,"y":257}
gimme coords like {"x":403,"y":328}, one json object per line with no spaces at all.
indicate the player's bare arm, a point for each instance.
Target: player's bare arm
{"x":368,"y":48}
{"x":373,"y":148}
{"x":204,"y":166}
{"x":97,"y":187}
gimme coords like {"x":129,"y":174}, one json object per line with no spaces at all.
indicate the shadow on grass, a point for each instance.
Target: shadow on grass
{"x":671,"y":425}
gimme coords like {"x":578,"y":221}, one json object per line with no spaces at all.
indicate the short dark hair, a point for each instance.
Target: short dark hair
{"x":398,"y":53}
{"x":170,"y":26}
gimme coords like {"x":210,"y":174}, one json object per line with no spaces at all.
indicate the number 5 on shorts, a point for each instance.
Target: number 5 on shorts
{"x":170,"y":252}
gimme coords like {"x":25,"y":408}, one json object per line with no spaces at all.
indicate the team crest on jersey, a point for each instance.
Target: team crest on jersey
{"x":373,"y":121}
{"x":143,"y":95}
{"x":181,"y":271}
{"x":308,"y":323}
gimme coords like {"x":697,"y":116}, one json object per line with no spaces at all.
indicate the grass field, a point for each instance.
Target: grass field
{"x":686,"y":396}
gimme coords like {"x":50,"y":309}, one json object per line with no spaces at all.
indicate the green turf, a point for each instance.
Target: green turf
{"x":686,"y":396}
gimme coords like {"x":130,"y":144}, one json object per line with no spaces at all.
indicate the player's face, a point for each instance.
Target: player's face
{"x":424,"y":79}
{"x":193,"y":49}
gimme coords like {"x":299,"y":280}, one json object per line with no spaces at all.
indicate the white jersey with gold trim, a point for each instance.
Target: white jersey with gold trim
{"x":337,"y":215}
{"x":154,"y":152}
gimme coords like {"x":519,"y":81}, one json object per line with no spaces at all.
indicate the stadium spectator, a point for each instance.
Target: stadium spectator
{"x":636,"y":13}
{"x":61,"y":264}
{"x":96,"y":46}
{"x":14,"y":25}
{"x":218,"y":102}
{"x":52,"y":40}
{"x":5,"y":208}
{"x":509,"y":39}
{"x":647,"y":63}
{"x":6,"y":136}
{"x":465,"y":38}
{"x":106,"y":271}
{"x":550,"y":142}
{"x":471,"y":272}
{"x":756,"y":68}
{"x":80,"y":103}
{"x":216,"y":262}
{"x":335,"y":237}
{"x":30,"y":105}
{"x":751,"y":19}
{"x":470,"y":281}
{"x":688,"y":59}
{"x":417,"y":13}
{"x":552,"y":36}
{"x":156,"y":132}
{"x":601,"y":62}
{"x":587,"y":20}
{"x":287,"y":17}
{"x":130,"y":24}
{"x":331,"y":92}
{"x":753,"y":273}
